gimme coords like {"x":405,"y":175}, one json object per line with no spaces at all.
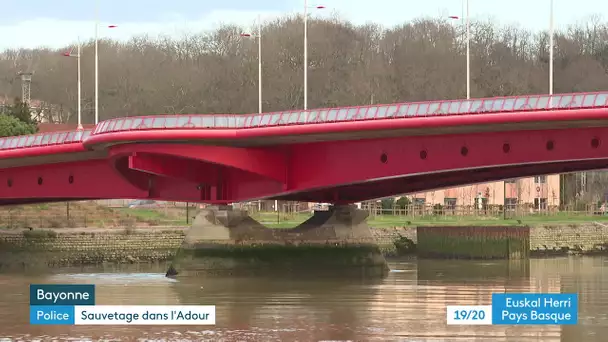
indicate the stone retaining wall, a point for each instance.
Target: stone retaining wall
{"x":96,"y":246}
{"x":48,"y":248}
{"x":546,"y":239}
{"x":585,"y":238}
{"x":474,"y":242}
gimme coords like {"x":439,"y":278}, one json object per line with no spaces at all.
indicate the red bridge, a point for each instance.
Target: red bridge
{"x":337,"y":155}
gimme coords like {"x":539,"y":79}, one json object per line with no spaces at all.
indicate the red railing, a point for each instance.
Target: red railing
{"x":372,"y":112}
{"x":44,"y":139}
{"x":318,"y":116}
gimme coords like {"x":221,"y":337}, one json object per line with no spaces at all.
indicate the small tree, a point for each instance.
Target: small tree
{"x":403,"y":202}
{"x":11,"y":126}
{"x":21,"y":110}
{"x":387,"y":203}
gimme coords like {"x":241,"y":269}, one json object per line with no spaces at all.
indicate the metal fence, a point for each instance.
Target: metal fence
{"x":485,"y":211}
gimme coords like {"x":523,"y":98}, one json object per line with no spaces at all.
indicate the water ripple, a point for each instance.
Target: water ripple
{"x":408,"y":305}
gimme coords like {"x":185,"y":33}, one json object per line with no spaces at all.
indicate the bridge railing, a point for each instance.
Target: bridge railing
{"x":357,"y":113}
{"x":44,"y":139}
{"x":325,"y":115}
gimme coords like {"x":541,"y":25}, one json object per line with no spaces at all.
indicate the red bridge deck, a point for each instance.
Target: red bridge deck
{"x":287,"y":149}
{"x":234,"y":122}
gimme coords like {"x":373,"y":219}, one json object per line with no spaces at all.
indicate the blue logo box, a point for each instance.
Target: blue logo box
{"x":58,"y":294}
{"x":52,"y":315}
{"x":535,"y":308}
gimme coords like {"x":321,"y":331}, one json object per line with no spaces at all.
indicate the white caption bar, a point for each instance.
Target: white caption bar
{"x":469,"y":314}
{"x":144,"y":315}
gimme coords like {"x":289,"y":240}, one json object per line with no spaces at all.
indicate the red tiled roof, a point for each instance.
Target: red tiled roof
{"x":51,"y":127}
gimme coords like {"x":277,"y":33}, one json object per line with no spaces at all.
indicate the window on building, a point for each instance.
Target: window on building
{"x":510,"y":181}
{"x":449,"y":203}
{"x":540,"y":179}
{"x":419,"y":201}
{"x":540,"y":203}
{"x":510,"y":203}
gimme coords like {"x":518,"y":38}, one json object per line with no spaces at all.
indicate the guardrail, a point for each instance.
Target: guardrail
{"x":317,"y":116}
{"x":358,"y":113}
{"x":44,"y":139}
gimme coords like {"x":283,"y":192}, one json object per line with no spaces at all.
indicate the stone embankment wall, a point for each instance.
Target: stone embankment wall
{"x":585,"y":238}
{"x":70,"y":247}
{"x":477,"y":242}
{"x":589,"y":237}
{"x":386,"y":236}
{"x":75,"y":247}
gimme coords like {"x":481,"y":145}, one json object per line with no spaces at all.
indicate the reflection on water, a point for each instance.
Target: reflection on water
{"x":110,"y":278}
{"x":407,"y":305}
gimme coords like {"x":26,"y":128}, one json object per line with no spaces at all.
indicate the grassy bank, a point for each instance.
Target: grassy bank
{"x":86,"y":215}
{"x":273,"y":220}
{"x":92,"y":215}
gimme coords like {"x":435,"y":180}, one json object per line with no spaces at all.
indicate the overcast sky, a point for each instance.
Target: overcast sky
{"x":57,"y":23}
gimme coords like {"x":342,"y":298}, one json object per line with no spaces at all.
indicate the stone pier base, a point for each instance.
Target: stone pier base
{"x":227,"y":239}
{"x":473,"y":242}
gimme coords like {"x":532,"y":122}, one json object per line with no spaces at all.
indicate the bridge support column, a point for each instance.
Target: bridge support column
{"x":224,"y":238}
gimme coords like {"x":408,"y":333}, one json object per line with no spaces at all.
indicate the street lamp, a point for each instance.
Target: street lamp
{"x":70,"y":54}
{"x":468,"y":53}
{"x":258,"y":36}
{"x":306,"y":7}
{"x":551,"y":48}
{"x":468,"y":39}
{"x":97,"y":60}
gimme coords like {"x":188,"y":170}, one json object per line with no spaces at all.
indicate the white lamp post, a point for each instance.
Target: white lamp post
{"x":70,"y":54}
{"x":97,"y":60}
{"x":468,"y":39}
{"x":258,"y":36}
{"x":306,"y":7}
{"x":551,"y":48}
{"x":468,"y":53}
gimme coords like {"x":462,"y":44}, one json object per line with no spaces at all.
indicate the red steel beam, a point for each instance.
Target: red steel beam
{"x":267,"y":162}
{"x":340,"y":171}
{"x":332,"y":164}
{"x":173,"y":167}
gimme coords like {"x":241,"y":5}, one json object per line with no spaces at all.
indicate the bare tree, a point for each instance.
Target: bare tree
{"x":216,"y":72}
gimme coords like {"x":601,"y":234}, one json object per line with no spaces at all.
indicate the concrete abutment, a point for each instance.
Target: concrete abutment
{"x":474,"y":242}
{"x":226,"y":239}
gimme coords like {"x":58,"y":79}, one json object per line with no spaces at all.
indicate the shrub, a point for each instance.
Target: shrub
{"x":404,"y":245}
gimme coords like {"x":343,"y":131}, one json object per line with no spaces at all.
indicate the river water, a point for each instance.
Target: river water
{"x":407,"y":305}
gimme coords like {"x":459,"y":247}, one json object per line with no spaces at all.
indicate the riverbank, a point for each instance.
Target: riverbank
{"x":82,"y":246}
{"x":589,"y":238}
{"x":87,"y":246}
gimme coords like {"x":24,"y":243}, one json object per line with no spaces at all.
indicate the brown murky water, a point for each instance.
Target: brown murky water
{"x":407,"y":305}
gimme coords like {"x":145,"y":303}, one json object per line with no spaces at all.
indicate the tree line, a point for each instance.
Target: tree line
{"x":216,"y":71}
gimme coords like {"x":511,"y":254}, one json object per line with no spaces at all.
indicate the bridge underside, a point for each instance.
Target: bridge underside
{"x":333,"y":171}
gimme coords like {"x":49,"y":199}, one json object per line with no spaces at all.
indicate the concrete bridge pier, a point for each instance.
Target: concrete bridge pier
{"x":226,"y":239}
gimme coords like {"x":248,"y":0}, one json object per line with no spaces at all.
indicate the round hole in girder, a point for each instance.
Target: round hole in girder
{"x":464,"y":150}
{"x":506,"y":148}
{"x":39,"y":180}
{"x":595,"y":142}
{"x":550,"y":145}
{"x":383,"y":158}
{"x":423,"y":154}
{"x":71,"y":179}
{"x":9,"y":183}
